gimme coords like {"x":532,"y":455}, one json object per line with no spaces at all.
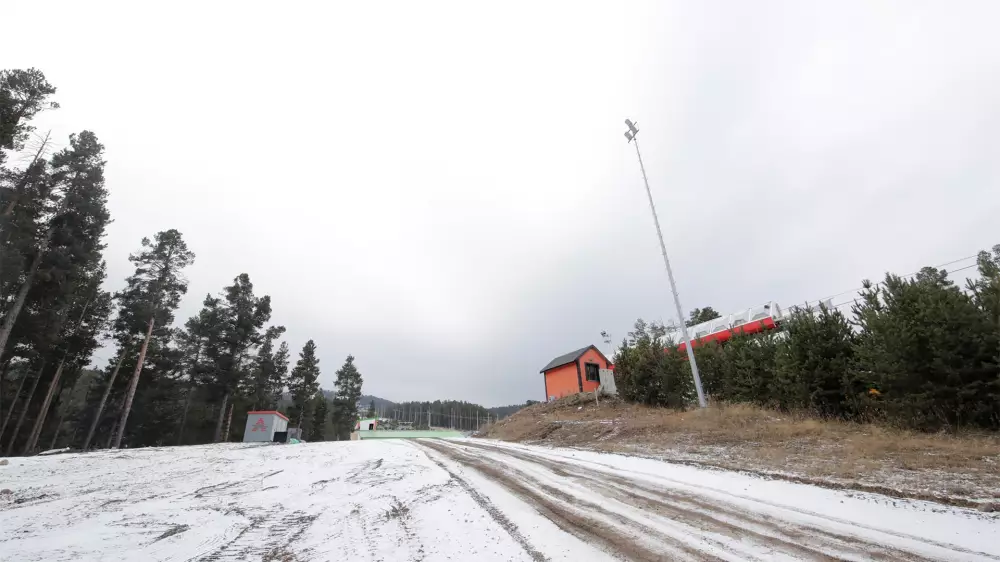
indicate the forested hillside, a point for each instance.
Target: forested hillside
{"x":919,"y":352}
{"x":454,"y":414}
{"x":170,"y":381}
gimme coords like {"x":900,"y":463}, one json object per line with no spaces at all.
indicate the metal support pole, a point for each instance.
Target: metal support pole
{"x":670,"y":276}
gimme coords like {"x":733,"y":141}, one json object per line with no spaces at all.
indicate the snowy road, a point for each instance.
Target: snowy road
{"x":449,"y":500}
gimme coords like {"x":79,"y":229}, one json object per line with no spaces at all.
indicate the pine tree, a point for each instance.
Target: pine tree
{"x":265,"y":381}
{"x":58,"y":311}
{"x":197,"y":342}
{"x":318,"y":426}
{"x":700,"y":315}
{"x":930,"y":350}
{"x":347,"y":392}
{"x":371,"y":410}
{"x":243,"y":318}
{"x":815,"y":365}
{"x":148,"y":302}
{"x":303,"y":382}
{"x":72,"y":231}
{"x":645,"y":374}
{"x":23,"y":93}
{"x":279,"y":374}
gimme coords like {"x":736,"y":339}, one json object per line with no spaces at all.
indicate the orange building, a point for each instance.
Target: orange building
{"x":577,"y":371}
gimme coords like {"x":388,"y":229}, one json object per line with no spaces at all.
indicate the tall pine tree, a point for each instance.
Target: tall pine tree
{"x":317,"y":429}
{"x":268,"y":378}
{"x":244,"y":316}
{"x":347,"y":392}
{"x":148,"y":302}
{"x":304,"y":382}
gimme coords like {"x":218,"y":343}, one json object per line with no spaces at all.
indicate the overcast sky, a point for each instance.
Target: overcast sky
{"x":444,"y":189}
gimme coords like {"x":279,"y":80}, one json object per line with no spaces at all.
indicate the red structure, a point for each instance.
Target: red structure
{"x":574,"y":372}
{"x":750,"y":321}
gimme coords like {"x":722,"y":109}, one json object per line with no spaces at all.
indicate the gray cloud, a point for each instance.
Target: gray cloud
{"x":444,"y":191}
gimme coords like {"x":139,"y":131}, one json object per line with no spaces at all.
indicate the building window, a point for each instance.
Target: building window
{"x":593,"y":372}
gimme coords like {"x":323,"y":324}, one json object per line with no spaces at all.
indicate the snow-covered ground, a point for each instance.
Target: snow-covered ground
{"x":460,"y":500}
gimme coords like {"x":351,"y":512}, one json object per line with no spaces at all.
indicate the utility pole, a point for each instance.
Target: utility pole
{"x":630,"y":135}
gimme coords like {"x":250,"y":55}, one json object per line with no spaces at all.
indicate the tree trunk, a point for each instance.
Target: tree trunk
{"x":43,"y":413}
{"x":111,"y":436}
{"x":24,"y":411}
{"x":229,"y":421}
{"x":133,"y":384}
{"x":222,"y":416}
{"x":22,"y":294}
{"x":59,"y":424}
{"x":184,"y":415}
{"x":104,"y":401}
{"x":13,"y":404}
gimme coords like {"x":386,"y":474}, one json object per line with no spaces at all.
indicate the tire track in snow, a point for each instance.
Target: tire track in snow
{"x":492,"y":510}
{"x":615,"y":474}
{"x":575,"y":483}
{"x":589,"y":524}
{"x":712,"y":517}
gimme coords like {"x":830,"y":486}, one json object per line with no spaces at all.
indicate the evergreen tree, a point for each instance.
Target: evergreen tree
{"x":266,"y":381}
{"x":648,"y":375}
{"x":700,"y":315}
{"x":279,"y":373}
{"x":303,"y":382}
{"x":243,"y":318}
{"x":815,"y":365}
{"x":201,"y":338}
{"x":23,"y":93}
{"x":371,"y":410}
{"x":318,"y":426}
{"x":57,"y":311}
{"x":347,"y":392}
{"x":147,"y":305}
{"x":69,"y":235}
{"x":930,"y":350}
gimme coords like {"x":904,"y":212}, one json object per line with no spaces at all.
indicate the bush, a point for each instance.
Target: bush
{"x":647,"y":374}
{"x":815,"y":365}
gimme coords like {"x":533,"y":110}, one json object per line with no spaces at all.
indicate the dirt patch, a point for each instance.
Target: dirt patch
{"x":955,"y":468}
{"x":280,"y":554}
{"x":176,"y":529}
{"x":397,"y":510}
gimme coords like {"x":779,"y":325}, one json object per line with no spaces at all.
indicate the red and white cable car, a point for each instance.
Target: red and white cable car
{"x":750,"y":321}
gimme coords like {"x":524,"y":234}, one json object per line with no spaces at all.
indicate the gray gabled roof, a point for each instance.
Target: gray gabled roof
{"x":569,"y":358}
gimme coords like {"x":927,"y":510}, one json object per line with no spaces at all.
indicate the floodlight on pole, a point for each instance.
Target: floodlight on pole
{"x":630,"y":135}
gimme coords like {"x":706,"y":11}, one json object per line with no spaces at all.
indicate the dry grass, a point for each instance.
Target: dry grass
{"x":945,"y":466}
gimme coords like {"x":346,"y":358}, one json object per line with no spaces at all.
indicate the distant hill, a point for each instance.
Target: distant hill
{"x":381,"y":404}
{"x":384,"y":405}
{"x":503,"y":411}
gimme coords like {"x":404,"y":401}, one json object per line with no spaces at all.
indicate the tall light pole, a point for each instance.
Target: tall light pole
{"x":630,"y":135}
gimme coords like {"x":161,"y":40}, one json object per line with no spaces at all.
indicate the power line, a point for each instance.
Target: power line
{"x":908,"y":275}
{"x":903,"y":277}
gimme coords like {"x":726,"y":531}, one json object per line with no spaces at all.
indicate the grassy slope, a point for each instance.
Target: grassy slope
{"x":961,"y":469}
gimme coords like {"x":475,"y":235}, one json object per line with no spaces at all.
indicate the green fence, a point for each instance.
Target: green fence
{"x":389,"y":434}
